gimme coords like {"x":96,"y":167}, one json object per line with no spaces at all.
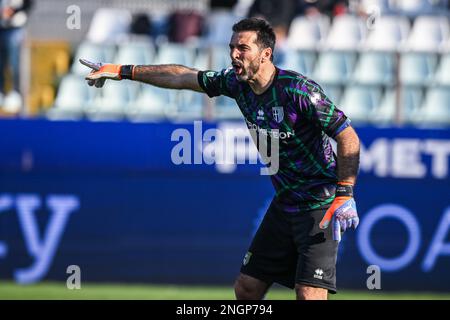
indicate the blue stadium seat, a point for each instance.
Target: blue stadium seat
{"x":347,"y":33}
{"x":389,"y":33}
{"x":385,"y":113}
{"x":73,"y":95}
{"x":442,"y":76}
{"x":307,"y":33}
{"x":219,"y":27}
{"x":226,"y":109}
{"x":175,"y":53}
{"x":109,"y":25}
{"x":92,"y":52}
{"x":300,"y":61}
{"x":358,"y":102}
{"x":220,"y":57}
{"x":417,"y":68}
{"x":436,"y":108}
{"x":409,"y":99}
{"x":333,"y":92}
{"x":140,"y":53}
{"x":213,"y":58}
{"x":202,"y":60}
{"x":375,"y":68}
{"x":113,"y":101}
{"x":429,"y":33}
{"x":414,"y":8}
{"x":334,"y":67}
{"x":151,"y":105}
{"x":382,"y":7}
{"x":189,"y":106}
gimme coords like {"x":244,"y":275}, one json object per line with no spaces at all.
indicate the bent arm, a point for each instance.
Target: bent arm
{"x":171,"y":76}
{"x":347,"y":155}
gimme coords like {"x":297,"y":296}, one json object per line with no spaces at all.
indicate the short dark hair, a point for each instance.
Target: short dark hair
{"x":264,"y":31}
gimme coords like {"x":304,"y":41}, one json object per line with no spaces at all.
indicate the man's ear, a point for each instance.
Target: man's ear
{"x":267,"y":53}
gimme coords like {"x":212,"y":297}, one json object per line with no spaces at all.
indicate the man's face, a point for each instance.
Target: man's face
{"x":245,"y":55}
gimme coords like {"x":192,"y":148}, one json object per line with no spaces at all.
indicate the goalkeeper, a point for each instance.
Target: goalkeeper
{"x":297,"y":242}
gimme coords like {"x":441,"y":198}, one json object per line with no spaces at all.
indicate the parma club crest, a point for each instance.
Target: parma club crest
{"x":278,"y":114}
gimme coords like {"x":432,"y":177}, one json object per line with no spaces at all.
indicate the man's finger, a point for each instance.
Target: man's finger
{"x":336,"y":230}
{"x":350,"y":223}
{"x":100,"y":82}
{"x":355,"y":222}
{"x":326,"y":219}
{"x":344,"y":225}
{"x":92,"y":65}
{"x":94,"y":76}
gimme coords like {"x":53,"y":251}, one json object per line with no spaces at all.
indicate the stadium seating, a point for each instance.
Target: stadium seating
{"x":218,"y":27}
{"x":73,"y":95}
{"x":92,"y":52}
{"x":417,"y":68}
{"x":226,"y":108}
{"x":189,"y":106}
{"x":442,"y":76}
{"x":220,"y":57}
{"x":334,"y":67}
{"x":307,"y":33}
{"x":114,"y":99}
{"x":414,"y":7}
{"x":389,"y":33}
{"x":429,"y":33}
{"x":175,"y":53}
{"x":359,"y":102}
{"x":401,"y":61}
{"x":135,"y":53}
{"x":385,"y":113}
{"x":202,"y":61}
{"x":109,"y":25}
{"x":409,"y":98}
{"x":299,"y":61}
{"x":213,"y":58}
{"x":151,"y":104}
{"x":333,"y":92}
{"x":377,"y":6}
{"x":352,"y":27}
{"x":375,"y":68}
{"x":436,"y":108}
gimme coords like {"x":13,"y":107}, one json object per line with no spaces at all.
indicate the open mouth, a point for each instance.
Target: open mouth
{"x":237,"y":68}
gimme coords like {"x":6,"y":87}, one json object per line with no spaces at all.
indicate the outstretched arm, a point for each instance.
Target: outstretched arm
{"x":171,"y":76}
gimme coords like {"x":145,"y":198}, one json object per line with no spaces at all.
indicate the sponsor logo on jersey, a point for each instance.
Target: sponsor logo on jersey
{"x":273,"y":133}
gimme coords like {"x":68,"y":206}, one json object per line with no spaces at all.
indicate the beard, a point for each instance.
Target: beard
{"x":249,"y":72}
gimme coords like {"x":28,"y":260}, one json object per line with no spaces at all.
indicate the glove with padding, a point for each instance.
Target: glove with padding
{"x":342,"y":214}
{"x":103,"y":71}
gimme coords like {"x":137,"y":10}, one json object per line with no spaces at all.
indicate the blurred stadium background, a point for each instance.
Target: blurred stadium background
{"x":86,"y":176}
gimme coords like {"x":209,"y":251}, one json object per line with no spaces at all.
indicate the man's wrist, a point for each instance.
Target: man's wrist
{"x":126,"y":71}
{"x":344,"y":189}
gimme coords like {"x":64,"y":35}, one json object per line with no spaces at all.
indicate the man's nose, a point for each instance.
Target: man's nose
{"x":234,"y":54}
